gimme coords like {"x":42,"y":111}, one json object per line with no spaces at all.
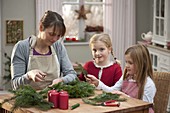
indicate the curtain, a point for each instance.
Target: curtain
{"x":120,"y":24}
{"x":44,"y":5}
{"x":1,"y":52}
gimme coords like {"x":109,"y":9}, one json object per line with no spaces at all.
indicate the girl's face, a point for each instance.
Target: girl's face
{"x":100,"y":53}
{"x":49,"y":37}
{"x":130,"y":65}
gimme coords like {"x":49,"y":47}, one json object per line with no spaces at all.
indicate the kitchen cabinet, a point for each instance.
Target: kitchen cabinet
{"x":160,"y":58}
{"x":161,"y":23}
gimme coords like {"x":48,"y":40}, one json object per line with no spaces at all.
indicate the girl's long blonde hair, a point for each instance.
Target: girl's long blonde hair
{"x":142,"y":62}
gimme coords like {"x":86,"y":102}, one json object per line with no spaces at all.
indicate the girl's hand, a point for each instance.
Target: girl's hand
{"x":36,"y":75}
{"x":92,"y":80}
{"x":56,"y":81}
{"x":120,"y":93}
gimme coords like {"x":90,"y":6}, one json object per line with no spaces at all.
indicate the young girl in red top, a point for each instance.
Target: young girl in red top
{"x":102,"y":67}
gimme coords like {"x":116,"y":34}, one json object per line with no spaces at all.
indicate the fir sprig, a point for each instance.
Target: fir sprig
{"x":97,"y":100}
{"x":7,"y":76}
{"x":75,"y":89}
{"x":27,"y":97}
{"x":84,"y":72}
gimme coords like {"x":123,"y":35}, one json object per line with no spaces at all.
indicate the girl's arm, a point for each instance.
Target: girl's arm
{"x":149,"y":91}
{"x":101,"y":85}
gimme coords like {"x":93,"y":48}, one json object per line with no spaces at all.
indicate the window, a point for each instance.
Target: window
{"x":82,"y":18}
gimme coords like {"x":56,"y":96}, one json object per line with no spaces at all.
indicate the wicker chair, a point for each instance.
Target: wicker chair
{"x":162,"y":82}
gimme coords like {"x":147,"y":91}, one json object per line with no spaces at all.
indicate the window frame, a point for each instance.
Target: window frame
{"x":80,"y":3}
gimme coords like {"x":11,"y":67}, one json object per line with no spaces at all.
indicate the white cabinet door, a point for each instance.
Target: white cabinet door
{"x":160,"y":58}
{"x":161,"y":23}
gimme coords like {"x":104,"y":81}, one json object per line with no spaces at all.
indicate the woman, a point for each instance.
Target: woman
{"x":42,"y":60}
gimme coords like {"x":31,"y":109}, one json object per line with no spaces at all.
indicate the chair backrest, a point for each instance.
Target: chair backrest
{"x":162,"y":82}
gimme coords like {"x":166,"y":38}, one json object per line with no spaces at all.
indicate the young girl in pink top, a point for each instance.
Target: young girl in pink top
{"x":102,"y":67}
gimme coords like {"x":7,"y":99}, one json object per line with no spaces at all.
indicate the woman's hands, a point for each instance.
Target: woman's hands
{"x":92,"y":80}
{"x":36,"y":75}
{"x":56,"y":81}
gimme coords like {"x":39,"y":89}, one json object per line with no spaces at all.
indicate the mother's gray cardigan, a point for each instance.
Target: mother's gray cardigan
{"x":20,"y":57}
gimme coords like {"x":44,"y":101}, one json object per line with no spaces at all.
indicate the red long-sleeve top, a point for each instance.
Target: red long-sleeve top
{"x":110,"y":74}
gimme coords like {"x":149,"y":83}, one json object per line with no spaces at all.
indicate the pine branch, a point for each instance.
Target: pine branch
{"x":7,"y":76}
{"x":76,"y":89}
{"x":26,"y":97}
{"x":82,"y":69}
{"x":97,"y":100}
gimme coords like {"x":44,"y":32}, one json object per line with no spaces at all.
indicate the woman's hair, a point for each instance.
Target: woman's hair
{"x":142,"y":62}
{"x":105,"y":38}
{"x":51,"y":19}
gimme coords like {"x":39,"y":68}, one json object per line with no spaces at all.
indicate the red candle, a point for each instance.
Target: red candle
{"x":67,"y":39}
{"x":54,"y":99}
{"x":63,"y":100}
{"x":63,"y":92}
{"x":49,"y":94}
{"x":73,"y":39}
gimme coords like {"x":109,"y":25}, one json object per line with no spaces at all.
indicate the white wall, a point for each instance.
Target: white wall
{"x":14,"y":10}
{"x":18,"y":10}
{"x":144,"y":17}
{"x":79,"y":53}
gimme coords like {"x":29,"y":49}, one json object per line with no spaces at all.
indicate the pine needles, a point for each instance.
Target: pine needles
{"x":84,"y":72}
{"x":75,"y":89}
{"x":27,"y":97}
{"x":97,"y":100}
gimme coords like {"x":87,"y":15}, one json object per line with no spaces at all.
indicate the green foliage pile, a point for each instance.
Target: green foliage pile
{"x":97,"y":100}
{"x":27,"y":97}
{"x":75,"y":89}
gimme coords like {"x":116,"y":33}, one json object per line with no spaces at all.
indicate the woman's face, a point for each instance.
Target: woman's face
{"x":100,"y":53}
{"x":49,"y":37}
{"x":130,"y":65}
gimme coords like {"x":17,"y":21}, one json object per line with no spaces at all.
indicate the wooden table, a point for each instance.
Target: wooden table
{"x":130,"y":106}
